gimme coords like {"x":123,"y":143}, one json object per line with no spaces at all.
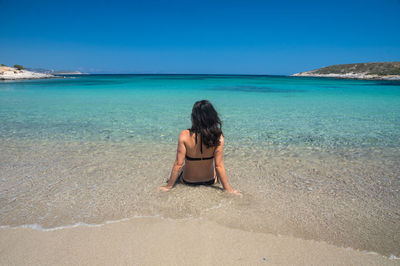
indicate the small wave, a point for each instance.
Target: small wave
{"x":78,"y":224}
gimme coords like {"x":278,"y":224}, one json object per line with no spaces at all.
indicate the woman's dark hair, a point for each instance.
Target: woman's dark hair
{"x":206,"y":123}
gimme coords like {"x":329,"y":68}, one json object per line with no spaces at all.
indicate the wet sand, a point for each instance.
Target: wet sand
{"x":347,"y":198}
{"x":157,"y":241}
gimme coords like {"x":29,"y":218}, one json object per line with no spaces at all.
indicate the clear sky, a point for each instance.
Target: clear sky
{"x":237,"y":37}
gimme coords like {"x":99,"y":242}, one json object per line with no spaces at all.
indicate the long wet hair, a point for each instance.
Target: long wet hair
{"x":206,"y":123}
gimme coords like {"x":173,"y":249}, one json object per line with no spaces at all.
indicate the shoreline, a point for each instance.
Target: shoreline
{"x":11,"y":73}
{"x":159,"y":241}
{"x":30,"y":78}
{"x":307,"y":199}
{"x":349,"y":76}
{"x":365,"y":71}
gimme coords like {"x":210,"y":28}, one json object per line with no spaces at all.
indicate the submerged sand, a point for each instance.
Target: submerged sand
{"x":157,"y":241}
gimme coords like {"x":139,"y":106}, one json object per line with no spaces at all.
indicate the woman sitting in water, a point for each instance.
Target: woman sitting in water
{"x":200,"y":148}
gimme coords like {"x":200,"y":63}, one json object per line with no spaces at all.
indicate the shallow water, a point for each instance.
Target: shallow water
{"x":315,"y":158}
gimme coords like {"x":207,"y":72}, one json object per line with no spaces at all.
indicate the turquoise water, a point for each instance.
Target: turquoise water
{"x":316,"y":158}
{"x":262,"y":110}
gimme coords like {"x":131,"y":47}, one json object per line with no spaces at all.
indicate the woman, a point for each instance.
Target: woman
{"x":200,"y":149}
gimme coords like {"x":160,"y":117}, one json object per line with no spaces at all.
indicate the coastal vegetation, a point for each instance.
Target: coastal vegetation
{"x":19,"y":67}
{"x":379,"y":70}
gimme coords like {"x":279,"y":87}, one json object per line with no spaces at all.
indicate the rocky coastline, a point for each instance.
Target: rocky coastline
{"x":369,"y":71}
{"x":11,"y":73}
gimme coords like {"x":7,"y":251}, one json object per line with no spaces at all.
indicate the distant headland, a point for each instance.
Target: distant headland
{"x":19,"y":72}
{"x":380,"y":70}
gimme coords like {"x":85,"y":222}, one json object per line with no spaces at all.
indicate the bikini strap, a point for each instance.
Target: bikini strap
{"x":195,"y":139}
{"x":201,"y":144}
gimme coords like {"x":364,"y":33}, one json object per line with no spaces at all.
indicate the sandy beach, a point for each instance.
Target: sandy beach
{"x":157,"y":241}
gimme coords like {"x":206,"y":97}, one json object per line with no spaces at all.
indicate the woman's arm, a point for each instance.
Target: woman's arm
{"x":220,"y":168}
{"x":178,"y":164}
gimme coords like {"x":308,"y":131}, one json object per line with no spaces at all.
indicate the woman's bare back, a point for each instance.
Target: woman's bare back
{"x":197,"y":170}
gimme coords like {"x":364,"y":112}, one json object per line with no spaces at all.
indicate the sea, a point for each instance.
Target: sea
{"x":315,"y":158}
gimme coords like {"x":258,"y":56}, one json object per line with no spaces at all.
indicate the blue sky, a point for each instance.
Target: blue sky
{"x":237,"y":37}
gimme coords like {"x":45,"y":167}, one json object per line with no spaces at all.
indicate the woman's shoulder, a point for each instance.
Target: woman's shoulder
{"x":221,"y":141}
{"x":184,"y":133}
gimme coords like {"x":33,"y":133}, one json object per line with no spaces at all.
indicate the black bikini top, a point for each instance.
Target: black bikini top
{"x":201,"y":150}
{"x":198,"y":159}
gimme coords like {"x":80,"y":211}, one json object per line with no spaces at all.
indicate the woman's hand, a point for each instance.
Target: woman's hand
{"x":236,"y":192}
{"x":164,"y":188}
